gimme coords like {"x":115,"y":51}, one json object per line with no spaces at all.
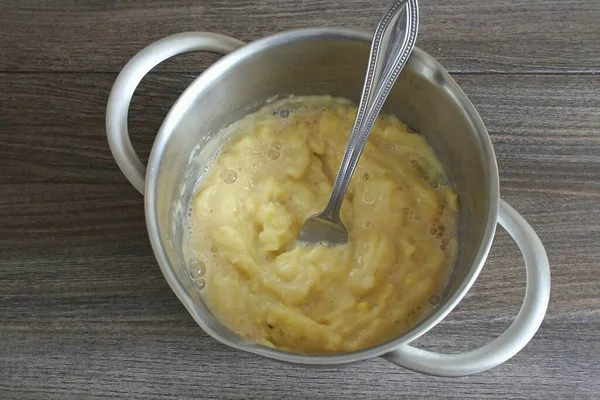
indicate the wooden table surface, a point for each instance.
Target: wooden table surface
{"x":84,"y":309}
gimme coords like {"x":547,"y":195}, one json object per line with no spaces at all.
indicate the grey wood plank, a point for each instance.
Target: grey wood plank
{"x":466,"y":36}
{"x":86,"y":312}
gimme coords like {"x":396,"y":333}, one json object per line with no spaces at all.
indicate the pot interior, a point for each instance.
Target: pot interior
{"x":319,"y":62}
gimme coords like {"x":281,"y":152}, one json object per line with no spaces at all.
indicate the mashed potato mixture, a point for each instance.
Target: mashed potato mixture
{"x":277,"y":170}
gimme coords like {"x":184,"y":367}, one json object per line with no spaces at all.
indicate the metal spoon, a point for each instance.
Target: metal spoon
{"x":393,"y":42}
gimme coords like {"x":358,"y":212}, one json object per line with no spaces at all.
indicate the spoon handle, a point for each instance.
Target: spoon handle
{"x":393,"y":42}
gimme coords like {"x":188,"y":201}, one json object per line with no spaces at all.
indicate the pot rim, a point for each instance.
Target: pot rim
{"x":229,"y":61}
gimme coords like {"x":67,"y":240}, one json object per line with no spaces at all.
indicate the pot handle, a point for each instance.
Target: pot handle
{"x":130,"y":77}
{"x":518,"y":334}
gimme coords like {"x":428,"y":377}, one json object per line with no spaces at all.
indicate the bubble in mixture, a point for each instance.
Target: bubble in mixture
{"x":276,"y":145}
{"x":196,"y":269}
{"x":214,"y":249}
{"x":366,"y":177}
{"x":273,"y":154}
{"x":434,"y":299}
{"x":200,"y":284}
{"x":229,"y":176}
{"x":369,"y":197}
{"x":284,"y":113}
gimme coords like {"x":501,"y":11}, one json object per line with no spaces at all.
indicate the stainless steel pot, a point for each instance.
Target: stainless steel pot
{"x":327,"y":61}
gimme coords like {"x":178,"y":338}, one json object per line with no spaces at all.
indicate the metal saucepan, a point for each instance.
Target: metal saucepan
{"x":333,"y":62}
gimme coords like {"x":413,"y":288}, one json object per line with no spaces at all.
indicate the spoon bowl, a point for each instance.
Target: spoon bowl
{"x":323,"y":229}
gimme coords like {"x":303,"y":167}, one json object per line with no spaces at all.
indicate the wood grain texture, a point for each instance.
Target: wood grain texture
{"x":84,"y":309}
{"x":465,"y":36}
{"x":86,"y":312}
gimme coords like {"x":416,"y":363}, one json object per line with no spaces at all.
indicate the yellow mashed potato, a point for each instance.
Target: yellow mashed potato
{"x":276,"y":171}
